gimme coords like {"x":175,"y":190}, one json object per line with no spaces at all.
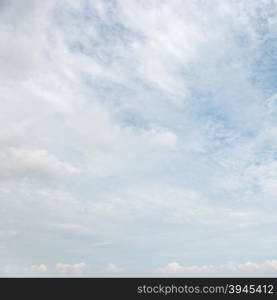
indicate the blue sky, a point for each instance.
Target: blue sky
{"x":138,"y":138}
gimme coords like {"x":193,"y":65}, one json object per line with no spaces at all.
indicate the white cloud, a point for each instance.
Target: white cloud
{"x":164,"y":46}
{"x":228,"y":269}
{"x":113,"y":269}
{"x":70,"y":269}
{"x":137,"y":116}
{"x":171,"y":205}
{"x":33,"y":163}
{"x":161,"y":139}
{"x":35,"y":268}
{"x":25,"y":271}
{"x":171,"y":268}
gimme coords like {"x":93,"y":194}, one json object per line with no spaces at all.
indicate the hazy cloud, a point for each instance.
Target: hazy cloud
{"x":140,"y":123}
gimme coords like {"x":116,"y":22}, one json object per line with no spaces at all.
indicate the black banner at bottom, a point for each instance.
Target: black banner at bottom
{"x":146,"y":288}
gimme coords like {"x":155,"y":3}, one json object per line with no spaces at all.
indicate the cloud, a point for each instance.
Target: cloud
{"x":113,"y":269}
{"x":70,"y":269}
{"x":163,"y":139}
{"x":24,"y":271}
{"x":171,"y":268}
{"x":141,"y":123}
{"x":61,"y":270}
{"x":34,"y":268}
{"x":229,"y":269}
{"x":34,"y":164}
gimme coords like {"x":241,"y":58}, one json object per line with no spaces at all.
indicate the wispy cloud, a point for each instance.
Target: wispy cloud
{"x":140,"y":123}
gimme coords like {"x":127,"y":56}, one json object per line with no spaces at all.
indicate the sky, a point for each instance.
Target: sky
{"x":138,"y":138}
